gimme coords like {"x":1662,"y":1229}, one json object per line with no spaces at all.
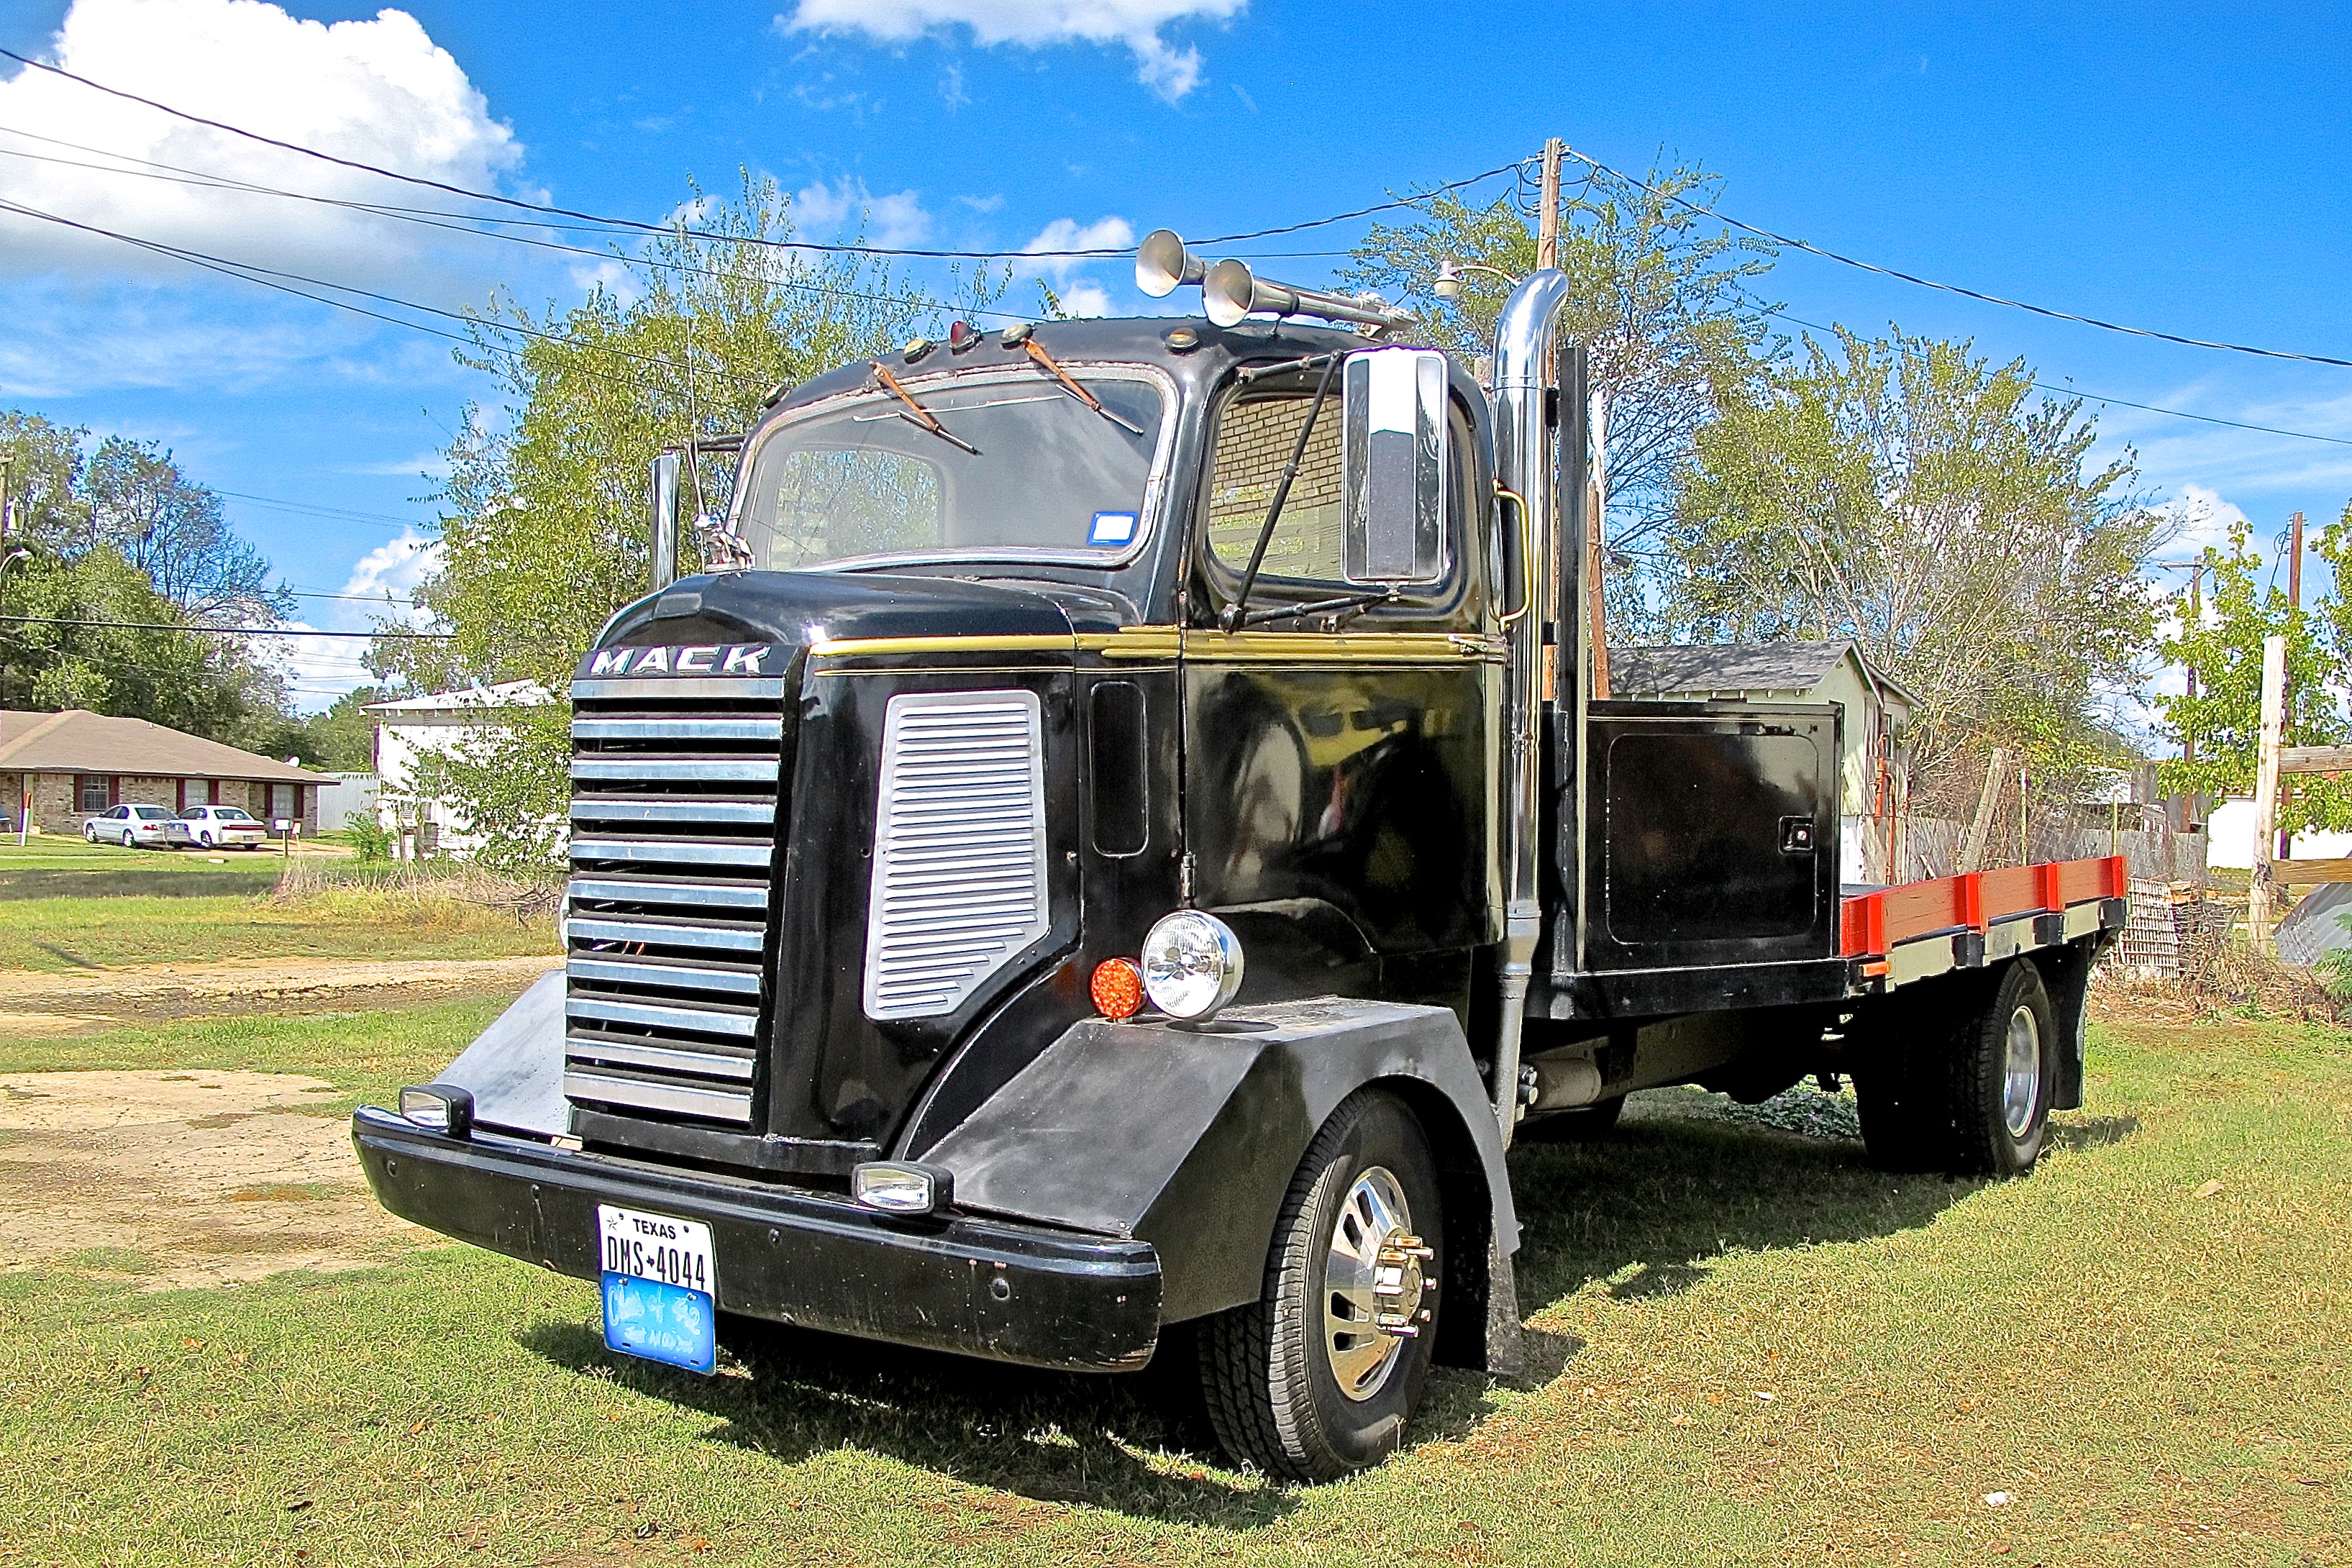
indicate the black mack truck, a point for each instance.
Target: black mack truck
{"x":1120,"y":835}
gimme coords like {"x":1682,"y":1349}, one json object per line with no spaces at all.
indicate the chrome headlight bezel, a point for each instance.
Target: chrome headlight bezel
{"x":1191,"y":964}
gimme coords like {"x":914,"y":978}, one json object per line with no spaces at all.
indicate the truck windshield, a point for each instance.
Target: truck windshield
{"x":864,"y":478}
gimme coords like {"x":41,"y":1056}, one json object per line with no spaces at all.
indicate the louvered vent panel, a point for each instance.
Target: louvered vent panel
{"x":960,"y":848}
{"x":673,"y":813}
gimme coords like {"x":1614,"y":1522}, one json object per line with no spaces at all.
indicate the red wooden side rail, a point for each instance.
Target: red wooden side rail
{"x":1872,"y":922}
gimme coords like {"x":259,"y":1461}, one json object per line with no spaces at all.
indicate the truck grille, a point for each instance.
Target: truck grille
{"x":675,"y":793}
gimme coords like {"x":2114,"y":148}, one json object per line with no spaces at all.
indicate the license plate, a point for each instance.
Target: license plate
{"x":659,"y":1287}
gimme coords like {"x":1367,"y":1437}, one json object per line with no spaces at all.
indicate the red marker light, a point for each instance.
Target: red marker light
{"x":1117,"y":989}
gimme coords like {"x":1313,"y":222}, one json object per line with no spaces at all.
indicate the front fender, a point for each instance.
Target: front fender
{"x":514,"y":1068}
{"x":1187,"y":1136}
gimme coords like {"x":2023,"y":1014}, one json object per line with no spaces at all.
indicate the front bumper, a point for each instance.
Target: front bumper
{"x":983,"y":1288}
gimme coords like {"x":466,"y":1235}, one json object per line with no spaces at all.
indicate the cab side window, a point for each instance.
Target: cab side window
{"x":1306,"y":554}
{"x":1254,"y":440}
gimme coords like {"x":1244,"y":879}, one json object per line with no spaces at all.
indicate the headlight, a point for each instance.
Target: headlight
{"x":1191,"y":964}
{"x":897,"y":1188}
{"x":440,"y":1107}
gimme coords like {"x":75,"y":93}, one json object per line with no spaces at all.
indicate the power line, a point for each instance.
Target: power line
{"x":311,"y":507}
{"x":432,"y":218}
{"x":220,"y":631}
{"x":2054,"y":314}
{"x":700,"y":234}
{"x":267,"y":277}
{"x":2124,"y":402}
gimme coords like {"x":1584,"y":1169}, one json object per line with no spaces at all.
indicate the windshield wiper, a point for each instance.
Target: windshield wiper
{"x":1037,"y":353}
{"x":1237,"y":613}
{"x":919,"y":417}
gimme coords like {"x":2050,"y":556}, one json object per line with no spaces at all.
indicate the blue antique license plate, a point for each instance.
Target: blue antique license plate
{"x":659,"y":1290}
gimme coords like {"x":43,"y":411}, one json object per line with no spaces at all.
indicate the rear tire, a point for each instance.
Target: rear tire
{"x":2001,"y":1077}
{"x":1301,"y":1383}
{"x":1943,"y":1091}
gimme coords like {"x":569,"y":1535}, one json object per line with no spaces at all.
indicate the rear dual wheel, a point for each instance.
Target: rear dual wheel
{"x":1318,"y":1376}
{"x":1968,"y":1089}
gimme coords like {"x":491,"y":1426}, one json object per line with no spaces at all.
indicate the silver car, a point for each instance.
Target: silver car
{"x":143,"y":827}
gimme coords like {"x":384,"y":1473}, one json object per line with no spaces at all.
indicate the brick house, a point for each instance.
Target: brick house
{"x":59,"y":768}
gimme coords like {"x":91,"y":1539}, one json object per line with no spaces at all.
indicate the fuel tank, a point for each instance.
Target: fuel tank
{"x":813,"y":842}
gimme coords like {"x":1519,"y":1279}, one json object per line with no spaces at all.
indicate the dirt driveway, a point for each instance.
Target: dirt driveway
{"x":34,"y":1002}
{"x":183,"y":1178}
{"x":190,"y":1177}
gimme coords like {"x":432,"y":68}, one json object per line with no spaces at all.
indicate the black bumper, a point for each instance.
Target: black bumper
{"x":1008,"y":1292}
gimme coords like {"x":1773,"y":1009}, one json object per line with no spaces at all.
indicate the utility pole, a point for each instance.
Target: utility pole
{"x":2259,"y":886}
{"x":2293,"y":621}
{"x":2196,"y":619}
{"x":1548,"y":220}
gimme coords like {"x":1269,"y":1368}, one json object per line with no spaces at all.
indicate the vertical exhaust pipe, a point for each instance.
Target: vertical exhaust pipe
{"x":1528,"y":410}
{"x":664,"y":537}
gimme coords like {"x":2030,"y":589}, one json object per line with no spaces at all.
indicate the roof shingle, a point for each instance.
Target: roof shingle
{"x":79,"y":742}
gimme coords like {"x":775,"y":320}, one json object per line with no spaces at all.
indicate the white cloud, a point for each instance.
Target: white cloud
{"x":892,"y":220}
{"x":380,"y":91}
{"x":1080,"y":295}
{"x":1069,"y":234}
{"x":1086,"y":300}
{"x":430,"y":464}
{"x":321,"y":668}
{"x":1166,"y":70}
{"x":2200,"y":517}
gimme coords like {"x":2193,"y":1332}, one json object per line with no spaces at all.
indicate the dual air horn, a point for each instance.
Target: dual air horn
{"x":1232,"y":292}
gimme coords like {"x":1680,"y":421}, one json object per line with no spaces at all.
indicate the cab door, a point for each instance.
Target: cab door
{"x":1339,"y":755}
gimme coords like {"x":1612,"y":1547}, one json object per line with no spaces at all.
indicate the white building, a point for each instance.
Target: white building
{"x":2230,"y":838}
{"x":410,"y":728}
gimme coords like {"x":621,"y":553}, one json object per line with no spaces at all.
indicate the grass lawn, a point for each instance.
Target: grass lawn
{"x":1748,"y":1347}
{"x":67,"y":905}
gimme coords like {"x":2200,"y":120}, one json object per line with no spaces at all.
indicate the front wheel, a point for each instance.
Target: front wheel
{"x":89,"y":833}
{"x":1318,"y":1376}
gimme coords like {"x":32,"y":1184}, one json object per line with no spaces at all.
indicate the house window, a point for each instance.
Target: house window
{"x":94,"y":792}
{"x":281,"y":802}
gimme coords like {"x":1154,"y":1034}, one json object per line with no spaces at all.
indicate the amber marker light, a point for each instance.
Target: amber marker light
{"x":1117,"y":989}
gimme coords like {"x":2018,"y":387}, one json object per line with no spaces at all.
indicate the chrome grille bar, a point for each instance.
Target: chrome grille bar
{"x":676,"y":976}
{"x":665,"y":933}
{"x":644,"y":890}
{"x":731,"y":813}
{"x":695,"y":1020}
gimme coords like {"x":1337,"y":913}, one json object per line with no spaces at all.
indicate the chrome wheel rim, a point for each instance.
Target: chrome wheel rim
{"x":1361,"y":1353}
{"x":2021,"y":1075}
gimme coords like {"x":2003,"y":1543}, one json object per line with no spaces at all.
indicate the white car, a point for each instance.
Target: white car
{"x":224,"y":827}
{"x":147,"y":827}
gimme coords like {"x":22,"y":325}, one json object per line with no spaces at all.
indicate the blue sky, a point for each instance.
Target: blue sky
{"x":2179,"y":168}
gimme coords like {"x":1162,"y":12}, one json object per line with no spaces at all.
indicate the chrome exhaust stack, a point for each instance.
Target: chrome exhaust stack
{"x":1528,"y":411}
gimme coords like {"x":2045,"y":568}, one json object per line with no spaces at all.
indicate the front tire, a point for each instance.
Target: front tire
{"x":1318,"y":1376}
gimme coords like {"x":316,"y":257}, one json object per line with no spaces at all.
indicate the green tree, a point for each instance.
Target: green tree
{"x":1911,"y":496}
{"x":544,"y":519}
{"x":123,"y":535}
{"x":1658,"y":293}
{"x":2221,"y":641}
{"x":342,"y":737}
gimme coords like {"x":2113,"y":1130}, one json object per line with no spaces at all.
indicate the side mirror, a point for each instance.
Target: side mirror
{"x":1392,"y":456}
